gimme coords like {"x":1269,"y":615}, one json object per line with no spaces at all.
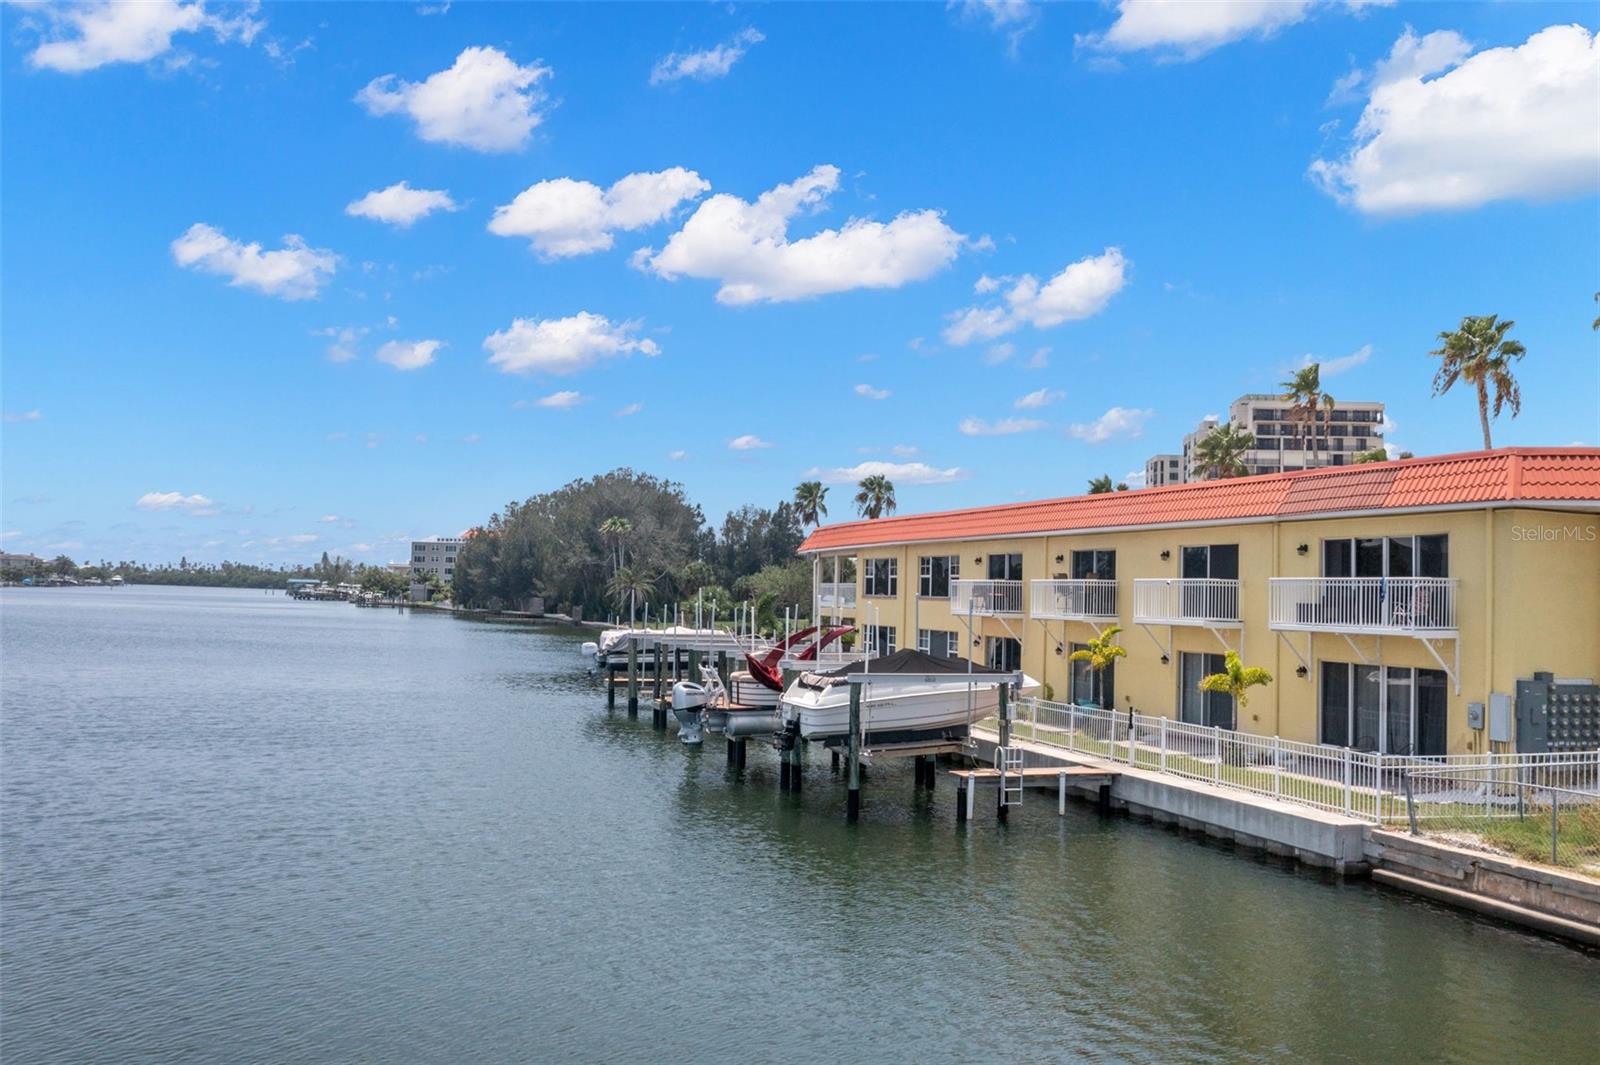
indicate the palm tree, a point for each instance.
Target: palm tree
{"x":1100,"y":653}
{"x":876,"y":497}
{"x":616,"y":530}
{"x":809,"y":496}
{"x":1306,"y":397}
{"x":1480,"y":353}
{"x":629,"y":586}
{"x":1100,"y":485}
{"x":1220,"y":452}
{"x":1236,"y":679}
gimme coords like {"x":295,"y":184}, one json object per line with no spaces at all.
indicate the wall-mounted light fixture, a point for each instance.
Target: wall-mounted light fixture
{"x":1300,"y":671}
{"x":1303,"y":549}
{"x":1059,"y":649}
{"x":1166,"y":556}
{"x":1061,"y":558}
{"x":978,"y":561}
{"x":1166,"y":661}
{"x":977,"y":641}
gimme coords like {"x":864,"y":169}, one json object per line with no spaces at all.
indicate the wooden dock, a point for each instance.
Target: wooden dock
{"x":967,"y":781}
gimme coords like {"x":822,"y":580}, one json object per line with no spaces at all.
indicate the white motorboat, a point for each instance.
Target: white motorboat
{"x":921,"y":695}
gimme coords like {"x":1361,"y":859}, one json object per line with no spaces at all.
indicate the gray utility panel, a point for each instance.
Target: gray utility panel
{"x":1557,"y":715}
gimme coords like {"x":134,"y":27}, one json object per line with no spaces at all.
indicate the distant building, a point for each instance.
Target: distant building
{"x":1163,"y":469}
{"x":436,"y":557}
{"x":1282,"y":444}
{"x":10,"y":561}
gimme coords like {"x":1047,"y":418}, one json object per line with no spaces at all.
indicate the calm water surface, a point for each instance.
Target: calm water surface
{"x":242,"y":828}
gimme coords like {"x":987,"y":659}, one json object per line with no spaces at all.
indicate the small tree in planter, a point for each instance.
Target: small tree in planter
{"x":1236,"y":679}
{"x":1101,"y":651}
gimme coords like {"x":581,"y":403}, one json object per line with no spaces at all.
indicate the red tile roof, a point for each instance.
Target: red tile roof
{"x":1505,"y":475}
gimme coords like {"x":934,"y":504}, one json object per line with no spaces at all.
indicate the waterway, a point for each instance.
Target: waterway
{"x":240,"y":828}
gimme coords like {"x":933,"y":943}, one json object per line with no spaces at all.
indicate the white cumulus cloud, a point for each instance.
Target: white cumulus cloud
{"x":1039,"y":397}
{"x":564,"y":400}
{"x":747,"y":442}
{"x":898,"y":472}
{"x":295,"y":271}
{"x":22,"y":416}
{"x":706,"y":65}
{"x":1334,"y":367}
{"x":1013,"y":18}
{"x":869,"y":392}
{"x":563,"y":345}
{"x":1081,"y":290}
{"x":1116,"y":423}
{"x":563,"y":217}
{"x":193,"y":504}
{"x":408,"y":354}
{"x":998,"y":427}
{"x":746,"y":247}
{"x":1443,"y":131}
{"x":484,"y":101}
{"x":1187,"y":29}
{"x":85,"y":36}
{"x":630,"y":410}
{"x":401,"y":205}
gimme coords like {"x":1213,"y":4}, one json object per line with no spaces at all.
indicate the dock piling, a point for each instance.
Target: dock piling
{"x":852,"y":808}
{"x":633,"y":677}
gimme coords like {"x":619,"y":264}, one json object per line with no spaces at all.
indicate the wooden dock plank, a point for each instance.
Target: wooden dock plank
{"x":1038,"y":772}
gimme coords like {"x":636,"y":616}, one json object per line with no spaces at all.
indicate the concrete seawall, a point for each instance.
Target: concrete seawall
{"x":1546,"y":900}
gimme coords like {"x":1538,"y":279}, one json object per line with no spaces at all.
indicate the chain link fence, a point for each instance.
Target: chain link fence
{"x":1546,"y":812}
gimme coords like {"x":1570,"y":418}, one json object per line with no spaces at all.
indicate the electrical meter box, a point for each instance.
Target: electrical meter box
{"x":1557,"y":715}
{"x":1499,"y":717}
{"x":1474,"y":715}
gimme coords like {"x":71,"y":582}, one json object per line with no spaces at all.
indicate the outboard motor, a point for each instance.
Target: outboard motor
{"x":590,"y":650}
{"x":688,"y":700}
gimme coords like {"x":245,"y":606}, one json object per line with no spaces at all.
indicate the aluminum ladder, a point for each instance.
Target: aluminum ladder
{"x":1008,"y":760}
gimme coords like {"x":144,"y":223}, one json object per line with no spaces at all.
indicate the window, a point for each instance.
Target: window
{"x":878,"y":640}
{"x":1387,"y":556}
{"x":1094,"y":565}
{"x":1004,"y":653}
{"x":1201,"y":707}
{"x":935,"y":572}
{"x":939,"y":643}
{"x":1392,"y":709}
{"x":1005,"y":567}
{"x":880,"y":576}
{"x":1210,"y":562}
{"x":1092,"y":687}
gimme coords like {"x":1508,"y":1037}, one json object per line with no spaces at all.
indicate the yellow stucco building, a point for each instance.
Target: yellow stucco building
{"x":1396,"y":604}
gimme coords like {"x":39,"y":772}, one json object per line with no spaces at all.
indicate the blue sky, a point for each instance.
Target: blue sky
{"x":1130,"y":214}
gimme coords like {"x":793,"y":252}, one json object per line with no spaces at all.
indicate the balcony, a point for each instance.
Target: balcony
{"x":986,"y":598}
{"x":836,"y":596}
{"x":1079,"y":600}
{"x":1208,"y":601}
{"x":1375,"y":606}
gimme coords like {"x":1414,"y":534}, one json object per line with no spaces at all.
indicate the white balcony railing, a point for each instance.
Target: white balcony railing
{"x":1374,"y":605}
{"x":836,"y":596}
{"x":1079,"y":600}
{"x":986,"y":598}
{"x":1186,"y":601}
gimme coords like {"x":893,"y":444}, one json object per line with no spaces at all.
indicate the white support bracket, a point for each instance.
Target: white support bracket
{"x":1164,"y":648}
{"x":1296,"y":651}
{"x":1356,"y":650}
{"x":1453,"y":674}
{"x":1215,"y":631}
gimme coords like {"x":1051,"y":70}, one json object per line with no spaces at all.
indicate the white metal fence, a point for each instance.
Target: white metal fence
{"x":1072,"y":599}
{"x":1160,"y":600}
{"x":1338,"y":779}
{"x":1363,"y":604}
{"x":985,"y":598}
